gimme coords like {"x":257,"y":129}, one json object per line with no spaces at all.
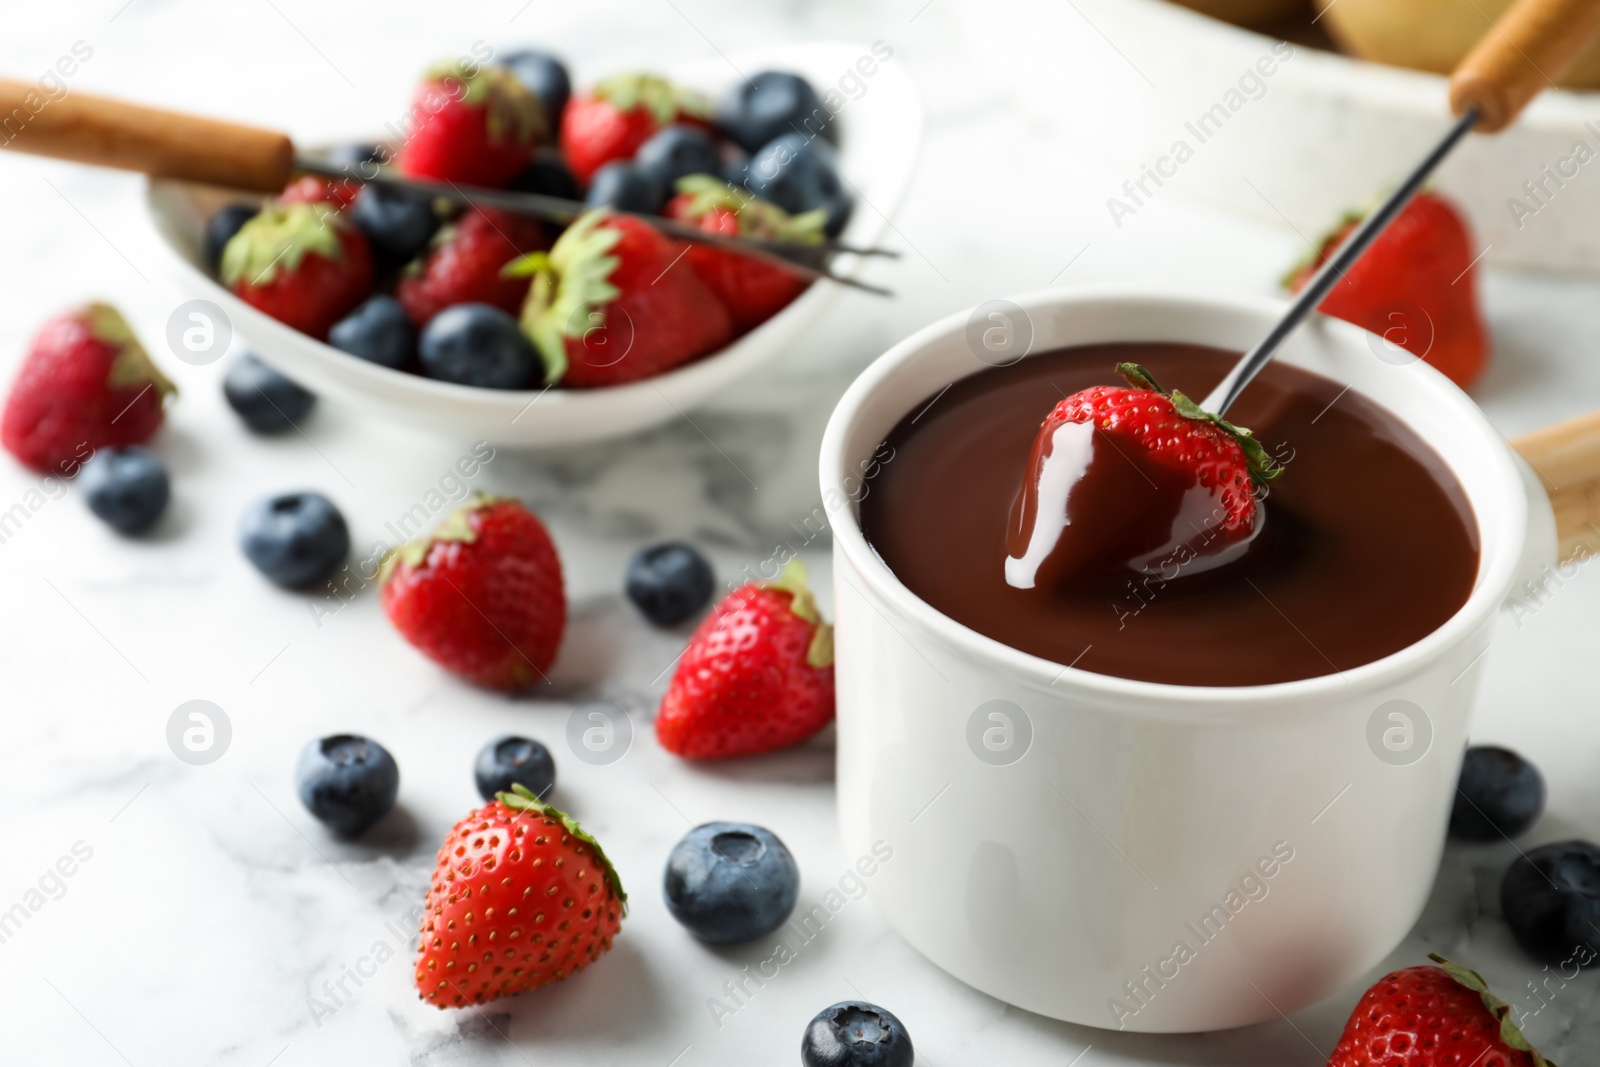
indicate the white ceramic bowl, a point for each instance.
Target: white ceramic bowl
{"x":1107,"y":819}
{"x":880,"y":131}
{"x":1322,"y":133}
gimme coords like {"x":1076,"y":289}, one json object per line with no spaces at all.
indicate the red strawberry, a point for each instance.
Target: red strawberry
{"x":521,"y":897}
{"x":314,"y":190}
{"x":757,"y":675}
{"x":610,"y":303}
{"x":753,"y":291}
{"x":1415,"y":287}
{"x":1440,"y":1016}
{"x":620,"y":114}
{"x":464,"y":264}
{"x":481,"y":596}
{"x":1133,"y":479}
{"x":303,"y":264}
{"x":86,"y":383}
{"x":475,"y":124}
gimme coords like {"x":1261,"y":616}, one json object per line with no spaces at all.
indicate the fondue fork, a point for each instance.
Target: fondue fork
{"x":1534,"y":43}
{"x":169,"y":144}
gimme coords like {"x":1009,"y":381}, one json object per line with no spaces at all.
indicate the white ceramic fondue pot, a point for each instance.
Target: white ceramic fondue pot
{"x":1137,"y":856}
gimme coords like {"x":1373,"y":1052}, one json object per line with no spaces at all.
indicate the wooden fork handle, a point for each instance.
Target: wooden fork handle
{"x":1566,"y":457}
{"x":1530,"y":48}
{"x":166,"y":144}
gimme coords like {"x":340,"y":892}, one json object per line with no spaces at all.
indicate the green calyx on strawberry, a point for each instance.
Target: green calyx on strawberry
{"x":611,"y":304}
{"x":132,"y":368}
{"x":757,"y":218}
{"x":1499,"y":1009}
{"x":513,"y":111}
{"x":665,"y":102}
{"x":521,"y":799}
{"x":803,"y":603}
{"x":456,"y":526}
{"x":571,"y":286}
{"x":1263,"y":468}
{"x":278,"y":240}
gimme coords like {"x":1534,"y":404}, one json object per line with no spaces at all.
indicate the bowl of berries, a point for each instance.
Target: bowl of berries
{"x":463,"y":315}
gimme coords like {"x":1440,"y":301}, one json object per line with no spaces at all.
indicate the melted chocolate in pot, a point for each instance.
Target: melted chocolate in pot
{"x":1368,"y":543}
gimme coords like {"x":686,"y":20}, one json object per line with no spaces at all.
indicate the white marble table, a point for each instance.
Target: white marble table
{"x":212,"y":916}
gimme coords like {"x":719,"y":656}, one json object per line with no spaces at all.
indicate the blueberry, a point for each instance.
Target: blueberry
{"x":1551,"y":900}
{"x":547,"y":174}
{"x":676,"y":151}
{"x":547,"y":77}
{"x":221,"y":227}
{"x":625,"y":187}
{"x":476,"y":344}
{"x":854,"y":1033}
{"x":347,"y":782}
{"x":295,"y":539}
{"x":1500,"y":794}
{"x":769,"y":105}
{"x":800,"y":174}
{"x":730,"y":882}
{"x":511,"y":759}
{"x":125,"y":487}
{"x":669,"y":582}
{"x":266,"y":400}
{"x":377,"y":331}
{"x":397,"y":224}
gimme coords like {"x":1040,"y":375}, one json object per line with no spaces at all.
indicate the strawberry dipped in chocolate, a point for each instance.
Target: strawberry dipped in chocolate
{"x":1134,"y":479}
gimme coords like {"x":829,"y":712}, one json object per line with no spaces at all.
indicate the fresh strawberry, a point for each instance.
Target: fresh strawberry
{"x":618,"y":115}
{"x":757,"y":675}
{"x":521,"y":897}
{"x":610,"y":303}
{"x":477,"y":125}
{"x":1440,"y":1016}
{"x":314,"y":190}
{"x":85,"y":383}
{"x":751,"y":290}
{"x":481,"y":596}
{"x":1416,"y":287}
{"x":464,"y":265}
{"x":1133,"y":478}
{"x":303,"y":264}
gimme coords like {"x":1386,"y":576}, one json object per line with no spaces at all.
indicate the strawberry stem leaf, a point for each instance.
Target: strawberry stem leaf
{"x":132,"y":368}
{"x":521,"y":799}
{"x":456,"y":526}
{"x":278,"y":239}
{"x":513,"y":113}
{"x":757,"y":218}
{"x":1509,"y":1033}
{"x":1263,"y":468}
{"x":803,"y":602}
{"x":1139,"y":378}
{"x":571,"y":288}
{"x":664,"y":101}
